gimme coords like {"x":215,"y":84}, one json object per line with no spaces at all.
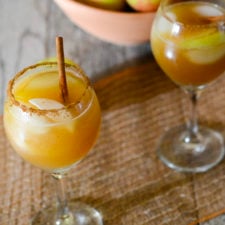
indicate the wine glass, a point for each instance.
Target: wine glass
{"x":188,"y":42}
{"x":53,"y":135}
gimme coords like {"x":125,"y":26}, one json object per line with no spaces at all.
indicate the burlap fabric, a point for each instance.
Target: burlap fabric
{"x":122,"y":176}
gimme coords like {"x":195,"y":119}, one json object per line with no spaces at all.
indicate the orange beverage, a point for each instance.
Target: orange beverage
{"x":42,"y":129}
{"x":188,"y":52}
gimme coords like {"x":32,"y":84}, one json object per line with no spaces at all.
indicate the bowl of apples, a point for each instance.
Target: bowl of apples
{"x":122,"y":22}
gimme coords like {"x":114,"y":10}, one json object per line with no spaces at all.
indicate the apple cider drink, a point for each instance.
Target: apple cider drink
{"x":187,"y":44}
{"x":42,"y":129}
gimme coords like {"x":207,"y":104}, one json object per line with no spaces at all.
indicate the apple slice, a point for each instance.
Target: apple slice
{"x":205,"y":47}
{"x":206,"y":39}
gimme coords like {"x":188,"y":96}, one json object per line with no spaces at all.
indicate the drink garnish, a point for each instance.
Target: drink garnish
{"x":205,"y":47}
{"x":61,"y":66}
{"x":203,"y":39}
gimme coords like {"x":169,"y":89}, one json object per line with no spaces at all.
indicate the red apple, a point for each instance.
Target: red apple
{"x":107,"y":4}
{"x":144,"y":5}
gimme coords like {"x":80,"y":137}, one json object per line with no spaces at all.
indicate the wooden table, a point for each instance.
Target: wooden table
{"x":28,"y":30}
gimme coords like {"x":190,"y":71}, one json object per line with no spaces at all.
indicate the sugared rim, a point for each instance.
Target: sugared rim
{"x":26,"y":108}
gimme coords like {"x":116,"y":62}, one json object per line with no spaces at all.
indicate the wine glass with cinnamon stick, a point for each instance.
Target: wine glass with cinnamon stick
{"x":53,"y":127}
{"x":188,"y":42}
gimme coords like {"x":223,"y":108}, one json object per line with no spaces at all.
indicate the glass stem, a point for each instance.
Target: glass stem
{"x":62,"y":205}
{"x":193,"y":120}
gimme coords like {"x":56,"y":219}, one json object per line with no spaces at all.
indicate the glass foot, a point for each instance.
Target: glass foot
{"x":185,"y":154}
{"x":80,"y":214}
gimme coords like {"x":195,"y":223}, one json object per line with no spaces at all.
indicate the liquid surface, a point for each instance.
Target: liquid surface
{"x":46,"y":85}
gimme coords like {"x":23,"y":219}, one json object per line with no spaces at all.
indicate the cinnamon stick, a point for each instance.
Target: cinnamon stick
{"x":61,"y":67}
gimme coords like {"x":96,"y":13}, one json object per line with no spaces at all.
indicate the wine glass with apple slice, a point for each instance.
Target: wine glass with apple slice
{"x":188,"y":42}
